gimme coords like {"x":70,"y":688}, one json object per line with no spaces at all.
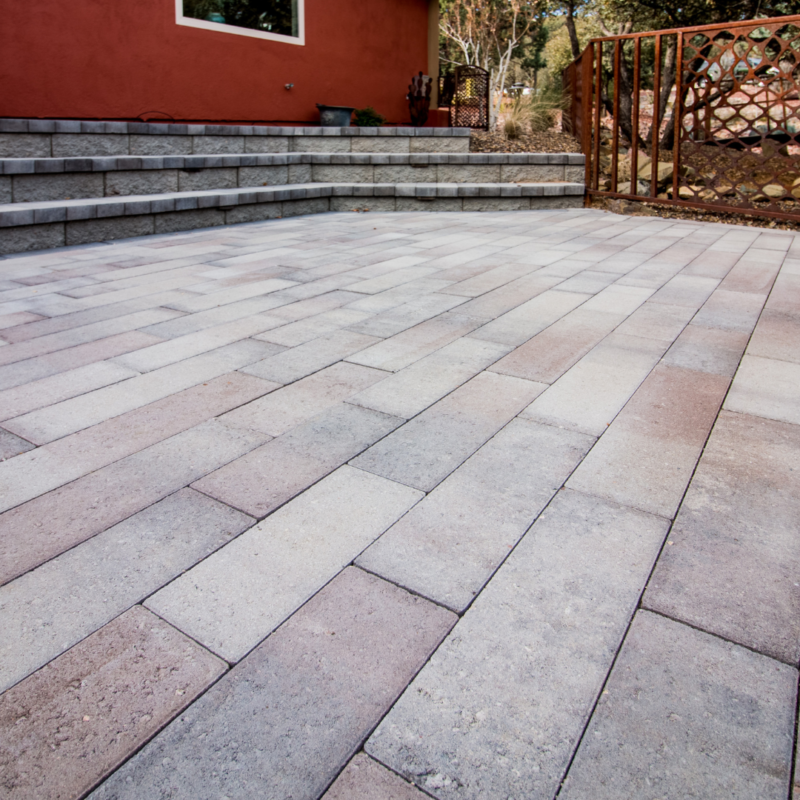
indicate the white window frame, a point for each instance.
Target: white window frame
{"x":222,"y":27}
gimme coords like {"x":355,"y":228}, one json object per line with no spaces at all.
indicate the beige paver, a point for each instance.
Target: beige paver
{"x":766,"y":387}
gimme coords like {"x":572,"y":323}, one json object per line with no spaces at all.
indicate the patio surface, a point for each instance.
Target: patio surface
{"x":504,"y":505}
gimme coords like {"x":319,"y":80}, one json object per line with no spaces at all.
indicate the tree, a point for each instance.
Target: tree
{"x":488,"y":34}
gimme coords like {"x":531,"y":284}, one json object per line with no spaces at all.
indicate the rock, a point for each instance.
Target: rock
{"x":664,"y":170}
{"x":774,"y":190}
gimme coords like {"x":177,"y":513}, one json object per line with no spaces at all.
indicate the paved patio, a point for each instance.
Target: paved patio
{"x":496,"y":505}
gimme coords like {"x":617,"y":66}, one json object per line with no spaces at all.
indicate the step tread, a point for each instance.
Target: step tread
{"x":16,"y":214}
{"x":182,"y":129}
{"x":46,"y":166}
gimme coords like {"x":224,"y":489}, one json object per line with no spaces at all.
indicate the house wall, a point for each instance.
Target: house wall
{"x":106,"y":59}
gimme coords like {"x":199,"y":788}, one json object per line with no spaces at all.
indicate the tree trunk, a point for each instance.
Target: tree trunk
{"x":573,"y":33}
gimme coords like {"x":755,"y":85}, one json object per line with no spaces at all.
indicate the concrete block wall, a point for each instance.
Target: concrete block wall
{"x":76,"y":139}
{"x":37,"y":180}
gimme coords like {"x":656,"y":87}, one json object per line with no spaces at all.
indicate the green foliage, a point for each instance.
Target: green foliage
{"x":274,"y":16}
{"x":368,"y":118}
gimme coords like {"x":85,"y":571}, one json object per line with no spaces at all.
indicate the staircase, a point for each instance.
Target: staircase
{"x":72,"y":182}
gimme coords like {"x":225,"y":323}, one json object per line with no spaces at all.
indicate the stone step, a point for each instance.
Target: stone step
{"x":38,"y":138}
{"x":24,"y":180}
{"x":44,"y":225}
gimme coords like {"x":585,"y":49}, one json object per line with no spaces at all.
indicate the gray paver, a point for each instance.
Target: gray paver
{"x":647,"y":456}
{"x":421,"y":384}
{"x":292,"y":405}
{"x":50,"y":609}
{"x":766,"y":387}
{"x":366,"y":637}
{"x":449,"y":545}
{"x":427,"y":449}
{"x":685,"y":714}
{"x":183,"y":347}
{"x":274,"y":473}
{"x":298,"y":362}
{"x":732,"y":561}
{"x":11,"y":445}
{"x":499,"y":708}
{"x":713,"y":350}
{"x":43,"y":366}
{"x":234,"y":599}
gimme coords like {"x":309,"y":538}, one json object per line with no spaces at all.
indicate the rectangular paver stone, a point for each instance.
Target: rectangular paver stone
{"x":285,"y":721}
{"x":298,"y":362}
{"x":647,"y":456}
{"x":591,"y":393}
{"x":500,"y":707}
{"x":365,"y":779}
{"x":733,"y":557}
{"x":69,"y":725}
{"x":46,"y":611}
{"x":292,"y":405}
{"x":766,"y":387}
{"x":234,"y":599}
{"x":449,"y":545}
{"x":421,"y":384}
{"x":685,"y":714}
{"x":284,"y":467}
{"x":427,"y":449}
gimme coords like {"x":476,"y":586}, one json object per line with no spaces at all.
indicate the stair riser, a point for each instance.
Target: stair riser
{"x":76,"y":185}
{"x":80,"y":145}
{"x":40,"y":237}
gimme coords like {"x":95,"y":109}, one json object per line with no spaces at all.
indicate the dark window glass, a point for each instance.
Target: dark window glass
{"x":269,"y":16}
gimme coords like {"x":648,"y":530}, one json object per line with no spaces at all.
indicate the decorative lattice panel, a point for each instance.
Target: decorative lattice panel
{"x":739,"y":127}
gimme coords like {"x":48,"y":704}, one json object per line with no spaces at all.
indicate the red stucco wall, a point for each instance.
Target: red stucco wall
{"x":127,"y":59}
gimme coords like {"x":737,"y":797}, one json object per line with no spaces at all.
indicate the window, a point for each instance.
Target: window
{"x":280,"y":20}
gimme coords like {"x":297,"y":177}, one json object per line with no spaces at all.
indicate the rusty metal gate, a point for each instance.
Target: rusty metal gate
{"x":712,"y":123}
{"x":470,"y":107}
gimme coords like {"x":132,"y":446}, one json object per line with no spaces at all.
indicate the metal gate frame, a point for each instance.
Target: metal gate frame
{"x":701,"y":61}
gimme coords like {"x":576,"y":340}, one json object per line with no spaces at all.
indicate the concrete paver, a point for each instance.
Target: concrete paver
{"x":293,"y":732}
{"x":589,"y":395}
{"x":413,"y":389}
{"x":646,"y":458}
{"x":449,"y":545}
{"x":46,"y":611}
{"x":766,"y":387}
{"x":286,"y":408}
{"x":365,"y":779}
{"x":92,"y":707}
{"x":733,"y":558}
{"x":500,"y":707}
{"x":306,"y":444}
{"x":686,"y":714}
{"x":427,"y":449}
{"x":237,"y":597}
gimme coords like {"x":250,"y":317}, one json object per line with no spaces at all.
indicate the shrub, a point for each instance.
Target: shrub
{"x":368,"y":118}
